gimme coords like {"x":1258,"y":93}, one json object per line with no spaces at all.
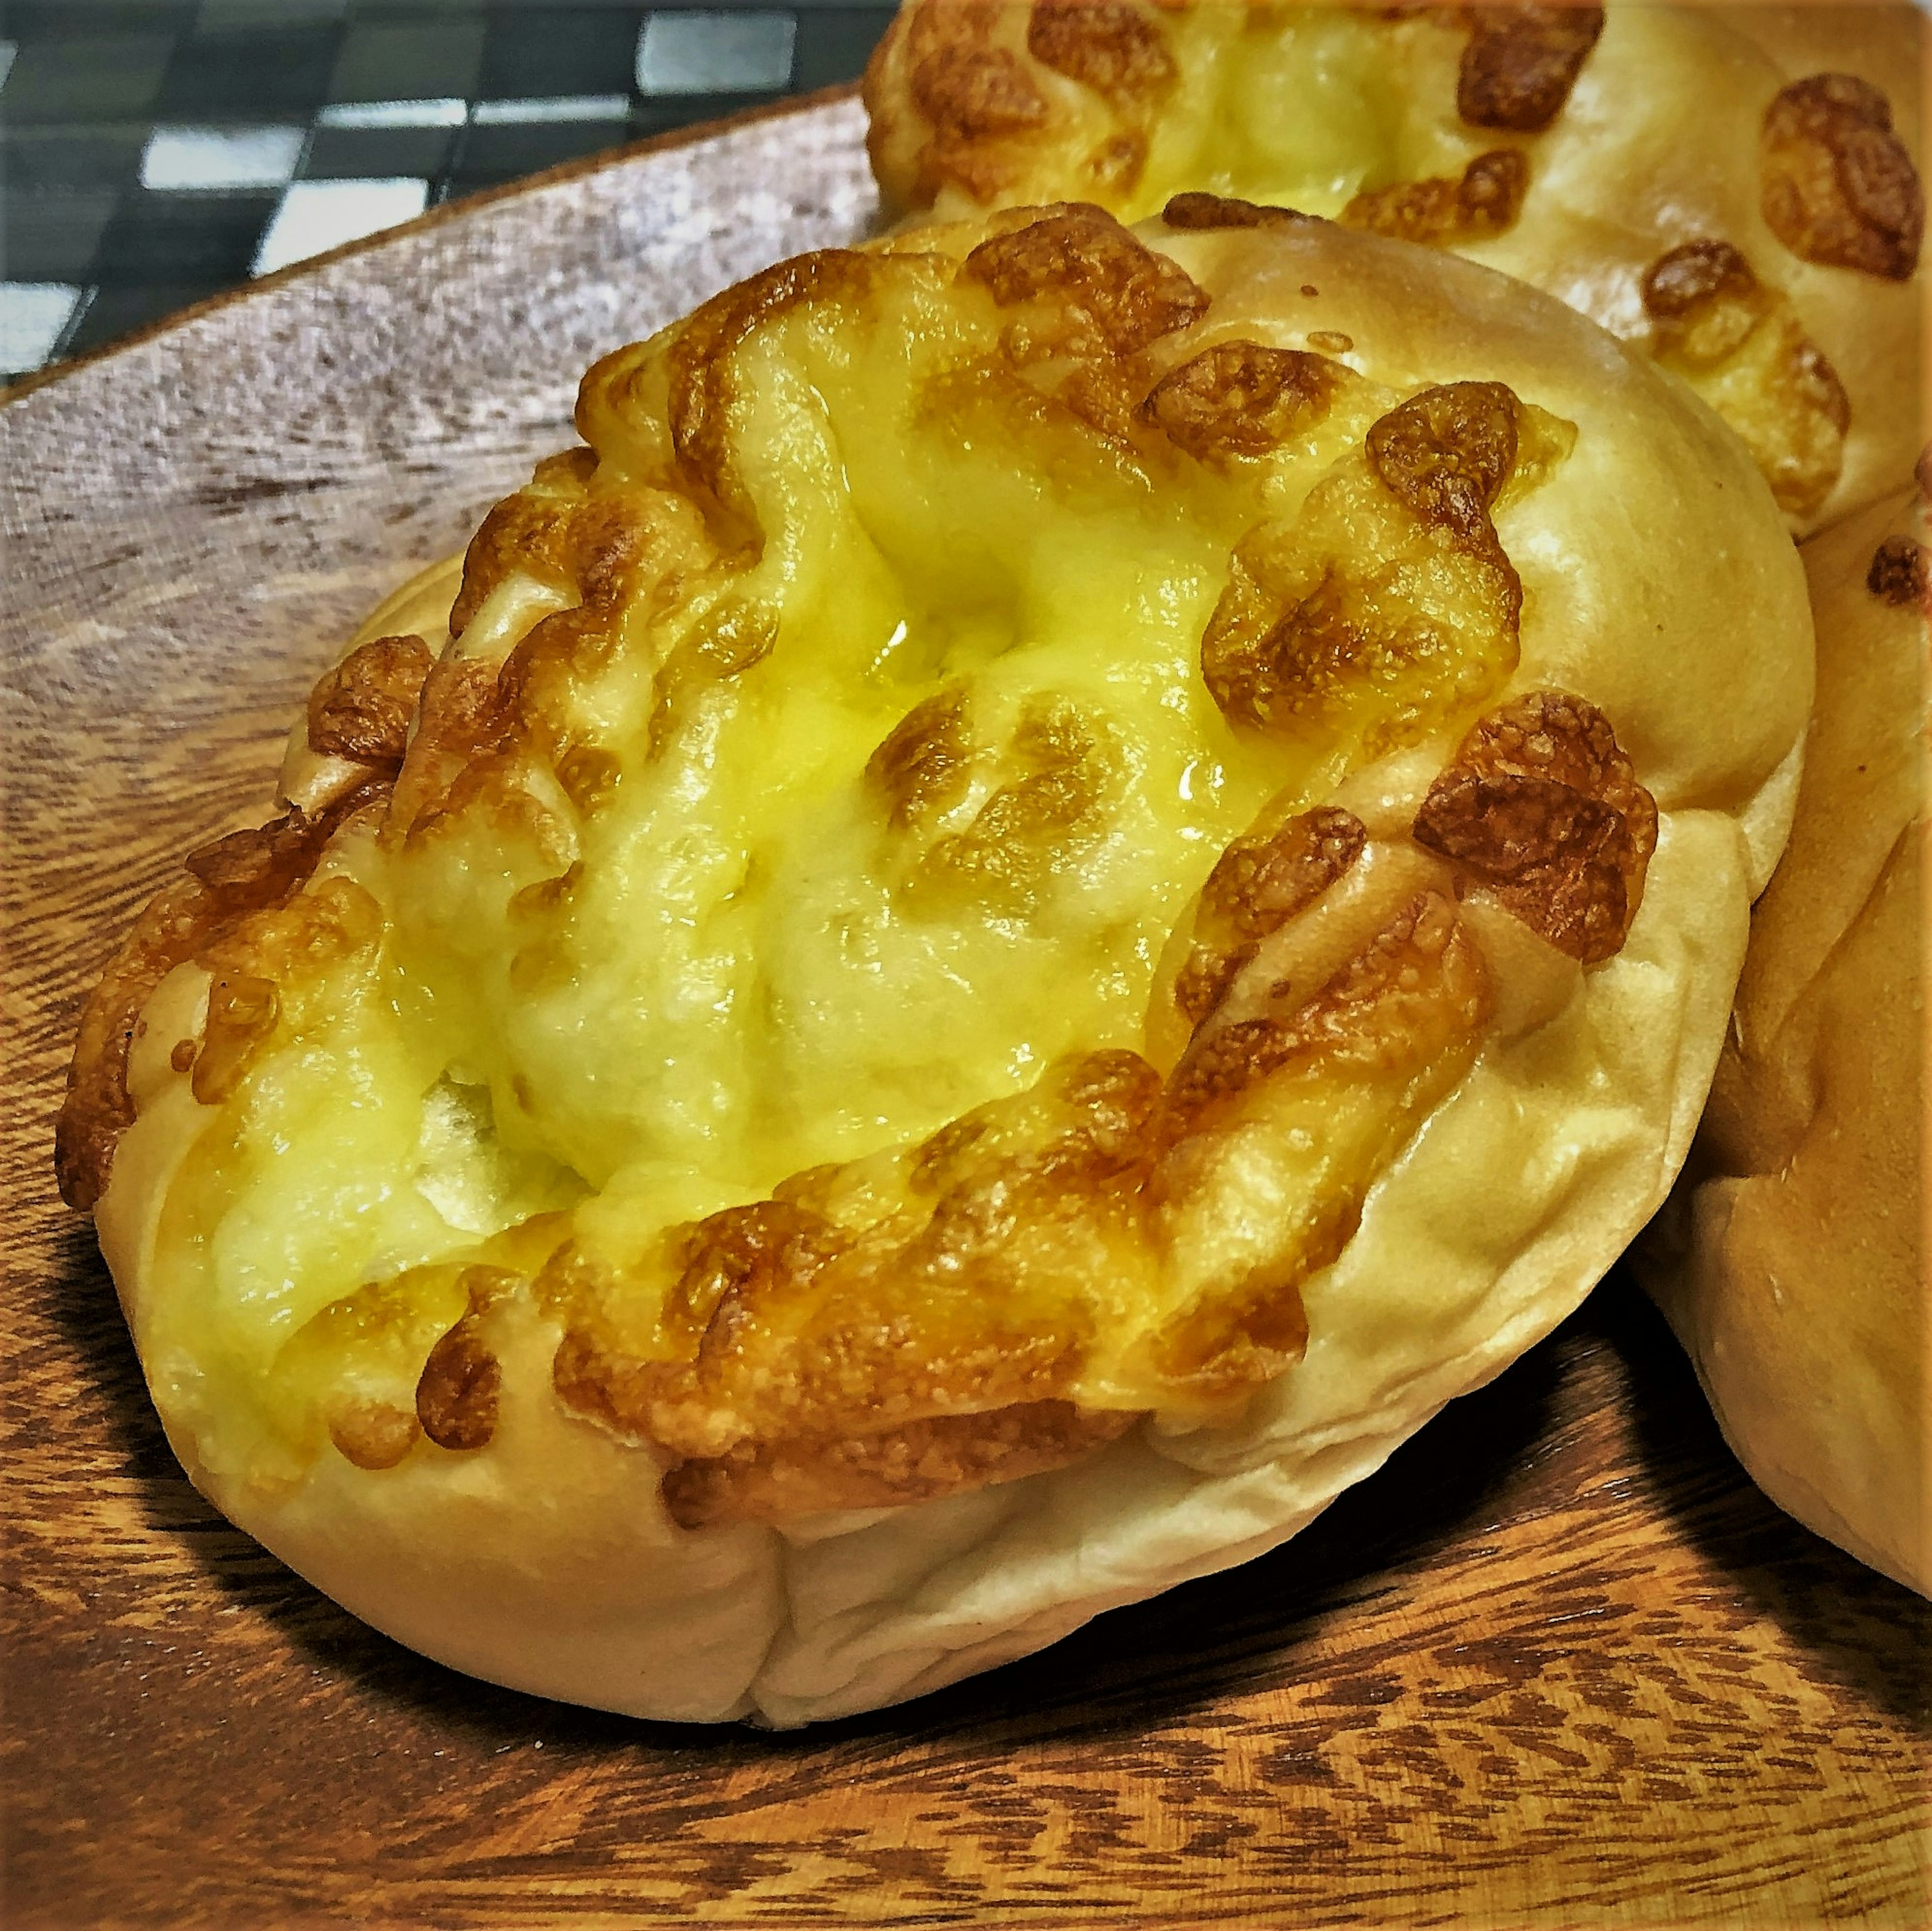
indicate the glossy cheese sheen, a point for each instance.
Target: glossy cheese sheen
{"x":1371,"y":113}
{"x":743,"y":984}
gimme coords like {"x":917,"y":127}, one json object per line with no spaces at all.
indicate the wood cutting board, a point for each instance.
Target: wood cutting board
{"x":1558,"y":1664}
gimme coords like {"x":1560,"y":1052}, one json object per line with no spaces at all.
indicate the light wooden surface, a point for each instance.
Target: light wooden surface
{"x":1557,"y":1664}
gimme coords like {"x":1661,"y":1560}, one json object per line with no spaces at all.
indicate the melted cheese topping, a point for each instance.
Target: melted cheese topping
{"x":822,"y":759}
{"x":730,"y":968}
{"x":1374,"y":104}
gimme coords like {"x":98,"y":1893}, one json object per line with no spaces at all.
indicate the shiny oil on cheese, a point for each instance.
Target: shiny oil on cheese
{"x":734,"y":967}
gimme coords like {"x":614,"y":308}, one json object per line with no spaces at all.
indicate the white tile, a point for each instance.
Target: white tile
{"x":715,"y":53}
{"x":181,"y":160}
{"x":445,"y":113}
{"x":552,"y":107}
{"x":32,"y":316}
{"x":7,"y":50}
{"x":318,"y":214}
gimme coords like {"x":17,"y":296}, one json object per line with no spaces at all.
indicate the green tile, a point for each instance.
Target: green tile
{"x":347,"y":153}
{"x":74,"y":157}
{"x":90,"y":77}
{"x":53,"y":237}
{"x":399,"y":63}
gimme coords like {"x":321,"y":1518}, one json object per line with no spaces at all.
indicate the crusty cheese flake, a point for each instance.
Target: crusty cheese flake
{"x":1840,"y":187}
{"x":1521,"y":62}
{"x":1484,"y":199}
{"x":1739,"y":344}
{"x":1542,"y":806}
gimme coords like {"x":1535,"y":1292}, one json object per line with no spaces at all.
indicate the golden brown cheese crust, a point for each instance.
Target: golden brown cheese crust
{"x":776,"y":1482}
{"x":1241,"y":398}
{"x":1521,"y":63}
{"x":1197,"y":210}
{"x":1257,"y":884}
{"x":1541,"y":805}
{"x":1484,"y":199}
{"x":362,"y":710}
{"x":1323,"y":632}
{"x":1103,"y":287}
{"x":1107,"y":45}
{"x":1840,"y":187}
{"x":1711,"y":316}
{"x":230,"y":884}
{"x":946,"y":1313}
{"x":1782,"y":178}
{"x":972,"y":94}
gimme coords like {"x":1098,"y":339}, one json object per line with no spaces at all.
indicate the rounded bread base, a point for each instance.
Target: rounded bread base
{"x":545,"y":1561}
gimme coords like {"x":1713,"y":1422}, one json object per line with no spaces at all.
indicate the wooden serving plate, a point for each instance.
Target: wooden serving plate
{"x":1557,"y":1664}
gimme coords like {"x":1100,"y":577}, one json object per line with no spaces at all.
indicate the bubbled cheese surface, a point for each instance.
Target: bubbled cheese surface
{"x":733,"y":967}
{"x":757,"y":972}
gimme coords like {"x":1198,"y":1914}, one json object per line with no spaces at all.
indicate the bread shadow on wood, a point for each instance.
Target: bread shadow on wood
{"x":1861,"y":1630}
{"x":1526,"y":1444}
{"x":1488,"y":1458}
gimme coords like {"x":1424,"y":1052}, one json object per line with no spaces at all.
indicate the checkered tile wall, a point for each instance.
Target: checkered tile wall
{"x":154,"y":152}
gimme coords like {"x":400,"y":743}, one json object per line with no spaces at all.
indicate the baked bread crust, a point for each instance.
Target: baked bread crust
{"x":1790,"y":1261}
{"x":1476,"y":959}
{"x":1734,"y":189}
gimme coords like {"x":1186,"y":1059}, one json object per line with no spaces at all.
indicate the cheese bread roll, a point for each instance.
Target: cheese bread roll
{"x":1062,"y":878}
{"x":1793,"y":1268}
{"x":1733,"y":189}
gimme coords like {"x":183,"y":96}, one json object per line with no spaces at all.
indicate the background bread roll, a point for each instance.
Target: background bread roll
{"x":844,"y":741}
{"x":1732,"y":188}
{"x":1791,"y":1263}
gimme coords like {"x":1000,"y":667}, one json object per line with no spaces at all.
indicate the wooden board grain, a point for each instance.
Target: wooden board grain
{"x":1557,"y":1664}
